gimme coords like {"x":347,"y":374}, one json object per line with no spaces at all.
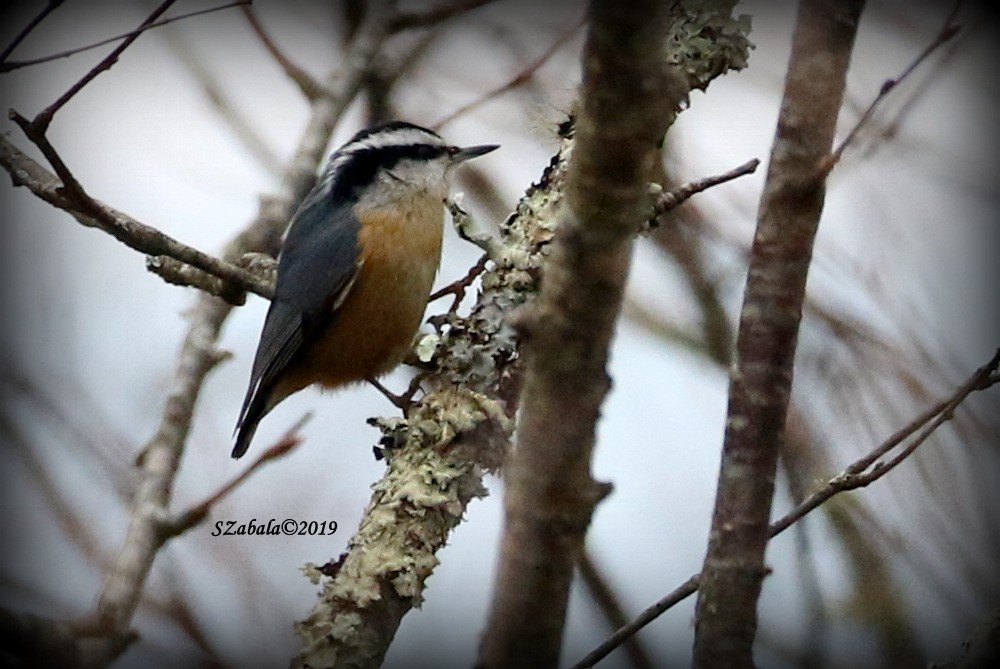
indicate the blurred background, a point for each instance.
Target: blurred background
{"x":193,"y":125}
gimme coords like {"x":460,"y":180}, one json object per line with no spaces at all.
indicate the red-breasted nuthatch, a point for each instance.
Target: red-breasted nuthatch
{"x":356,"y":267}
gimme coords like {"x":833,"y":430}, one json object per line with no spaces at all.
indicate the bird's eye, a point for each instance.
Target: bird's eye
{"x":453,"y":150}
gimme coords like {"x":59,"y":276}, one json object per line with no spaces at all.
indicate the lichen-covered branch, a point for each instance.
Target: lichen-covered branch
{"x":439,"y":452}
{"x":760,"y":383}
{"x":628,"y":98}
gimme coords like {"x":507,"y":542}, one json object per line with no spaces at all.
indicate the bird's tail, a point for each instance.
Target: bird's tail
{"x":255,"y":407}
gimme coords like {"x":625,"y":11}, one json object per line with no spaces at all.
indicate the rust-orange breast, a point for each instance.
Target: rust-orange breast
{"x":376,"y":323}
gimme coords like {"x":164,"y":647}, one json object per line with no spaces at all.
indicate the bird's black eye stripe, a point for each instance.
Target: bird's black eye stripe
{"x":361,"y":166}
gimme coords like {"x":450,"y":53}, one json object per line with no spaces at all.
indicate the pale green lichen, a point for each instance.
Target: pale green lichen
{"x":433,"y":472}
{"x":312,"y":572}
{"x":426,"y":346}
{"x":706,"y":41}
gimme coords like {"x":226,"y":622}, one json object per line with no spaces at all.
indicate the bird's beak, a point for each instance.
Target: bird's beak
{"x":473,"y":152}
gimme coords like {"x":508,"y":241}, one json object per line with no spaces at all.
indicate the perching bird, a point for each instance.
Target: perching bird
{"x":356,"y":267}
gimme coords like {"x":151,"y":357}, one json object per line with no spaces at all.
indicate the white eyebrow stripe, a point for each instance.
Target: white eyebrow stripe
{"x":397,"y":137}
{"x":381,"y":140}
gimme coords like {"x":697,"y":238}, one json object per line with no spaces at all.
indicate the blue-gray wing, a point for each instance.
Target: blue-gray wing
{"x":319,"y":262}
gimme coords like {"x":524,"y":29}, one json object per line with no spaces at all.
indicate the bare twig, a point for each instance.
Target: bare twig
{"x":680,"y":234}
{"x":41,"y":122}
{"x":49,"y":7}
{"x":869,"y":469}
{"x":679,"y":594}
{"x":674,"y":198}
{"x":861,"y":472}
{"x":95,"y":214}
{"x":948,"y":30}
{"x":70,"y":189}
{"x":519,"y":79}
{"x":306,"y":83}
{"x":36,"y":128}
{"x":458,"y":287}
{"x":7,"y":66}
{"x":607,"y":601}
{"x":179,"y":273}
{"x":197,"y":513}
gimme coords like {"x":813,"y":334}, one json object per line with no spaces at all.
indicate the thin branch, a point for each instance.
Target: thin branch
{"x":676,"y":197}
{"x":197,"y":513}
{"x":95,"y":214}
{"x":36,"y":128}
{"x":69,"y":189}
{"x":679,"y":594}
{"x":852,"y":477}
{"x":519,"y":79}
{"x":670,"y":200}
{"x":948,"y":30}
{"x":407,"y":20}
{"x":306,"y":83}
{"x":49,"y":7}
{"x":459,"y":287}
{"x":41,"y":122}
{"x":178,"y":273}
{"x":611,"y":608}
{"x":7,"y":66}
{"x":868,"y":469}
{"x":714,"y":335}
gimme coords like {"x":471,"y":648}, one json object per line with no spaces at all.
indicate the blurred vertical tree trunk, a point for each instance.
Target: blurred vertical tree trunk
{"x":628,"y":97}
{"x":761,"y":381}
